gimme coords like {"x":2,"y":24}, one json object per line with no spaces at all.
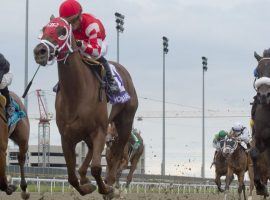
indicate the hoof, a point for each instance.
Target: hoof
{"x":84,"y":181}
{"x":87,"y":189}
{"x":262,"y":191}
{"x":10,"y":189}
{"x":108,"y":196}
{"x":106,"y":191}
{"x":25,"y":195}
{"x":220,"y":190}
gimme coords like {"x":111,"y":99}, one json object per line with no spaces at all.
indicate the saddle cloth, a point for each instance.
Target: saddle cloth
{"x":122,"y":96}
{"x":17,"y":115}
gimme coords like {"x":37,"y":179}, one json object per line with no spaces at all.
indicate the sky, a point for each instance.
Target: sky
{"x":226,"y":32}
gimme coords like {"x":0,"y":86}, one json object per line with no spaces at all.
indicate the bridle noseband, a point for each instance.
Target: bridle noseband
{"x":56,"y":49}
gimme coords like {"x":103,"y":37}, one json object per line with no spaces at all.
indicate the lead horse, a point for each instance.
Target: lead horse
{"x":261,"y":112}
{"x":20,"y":136}
{"x":80,"y":114}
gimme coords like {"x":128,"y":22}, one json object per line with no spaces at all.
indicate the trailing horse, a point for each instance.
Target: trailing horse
{"x":19,"y":134}
{"x":131,"y":154}
{"x":238,"y":162}
{"x":261,"y":115}
{"x":220,"y":169}
{"x":81,"y":115}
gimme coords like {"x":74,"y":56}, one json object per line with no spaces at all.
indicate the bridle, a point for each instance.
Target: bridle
{"x":56,"y":49}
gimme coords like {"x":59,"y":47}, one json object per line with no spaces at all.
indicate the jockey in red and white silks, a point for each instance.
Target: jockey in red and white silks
{"x":90,"y":35}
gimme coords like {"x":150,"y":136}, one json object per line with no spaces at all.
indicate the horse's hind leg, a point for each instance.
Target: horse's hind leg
{"x":133,"y":167}
{"x":251,"y":178}
{"x":124,"y":125}
{"x":23,"y":147}
{"x":98,"y":142}
{"x":3,"y":148}
{"x":9,"y":189}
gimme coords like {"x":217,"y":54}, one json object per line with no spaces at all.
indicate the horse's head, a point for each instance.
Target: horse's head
{"x":228,"y":146}
{"x":55,"y":42}
{"x":262,"y":74}
{"x":111,"y":135}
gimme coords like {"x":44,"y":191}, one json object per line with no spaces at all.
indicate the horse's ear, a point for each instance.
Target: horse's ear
{"x":52,"y":17}
{"x":257,"y":56}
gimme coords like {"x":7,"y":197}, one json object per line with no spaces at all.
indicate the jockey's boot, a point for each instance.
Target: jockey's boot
{"x":112,"y":83}
{"x":9,"y":108}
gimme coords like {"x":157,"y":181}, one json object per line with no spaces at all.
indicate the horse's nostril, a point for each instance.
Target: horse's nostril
{"x":43,"y":51}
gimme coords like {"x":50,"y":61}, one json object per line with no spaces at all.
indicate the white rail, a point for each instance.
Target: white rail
{"x":135,"y":187}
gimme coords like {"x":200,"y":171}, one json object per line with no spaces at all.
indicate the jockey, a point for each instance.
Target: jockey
{"x":134,"y":138}
{"x":5,"y":81}
{"x":221,"y":135}
{"x":90,"y":36}
{"x":241,"y":133}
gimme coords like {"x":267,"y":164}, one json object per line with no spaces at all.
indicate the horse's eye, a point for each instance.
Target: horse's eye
{"x":62,"y":33}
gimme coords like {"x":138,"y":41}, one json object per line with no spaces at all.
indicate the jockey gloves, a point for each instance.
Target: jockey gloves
{"x":69,"y":8}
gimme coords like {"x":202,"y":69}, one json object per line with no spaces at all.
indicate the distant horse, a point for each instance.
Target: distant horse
{"x":130,"y":154}
{"x":261,"y":110}
{"x":238,"y":163}
{"x":19,"y":134}
{"x":221,"y":168}
{"x":81,"y":115}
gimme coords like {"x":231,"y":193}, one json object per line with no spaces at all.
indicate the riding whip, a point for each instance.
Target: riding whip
{"x":29,"y":84}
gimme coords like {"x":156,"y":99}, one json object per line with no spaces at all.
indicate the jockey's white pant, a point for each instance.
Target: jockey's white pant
{"x":6,"y":81}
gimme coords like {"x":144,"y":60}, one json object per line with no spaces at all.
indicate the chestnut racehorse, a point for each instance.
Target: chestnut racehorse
{"x":80,"y":114}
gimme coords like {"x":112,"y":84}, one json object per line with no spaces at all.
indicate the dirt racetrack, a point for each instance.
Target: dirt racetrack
{"x":96,"y":196}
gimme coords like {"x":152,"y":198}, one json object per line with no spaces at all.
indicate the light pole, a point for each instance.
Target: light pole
{"x":119,"y":28}
{"x":26,"y":55}
{"x":165,"y":51}
{"x":204,"y":65}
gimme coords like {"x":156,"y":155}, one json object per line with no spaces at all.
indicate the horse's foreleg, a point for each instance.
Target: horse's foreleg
{"x":123,"y":166}
{"x":70,"y":157}
{"x":133,"y":167}
{"x":98,"y":146}
{"x":218,"y":182}
{"x":241,"y":186}
{"x":228,"y":178}
{"x":83,"y":169}
{"x":260,"y":188}
{"x":251,"y":178}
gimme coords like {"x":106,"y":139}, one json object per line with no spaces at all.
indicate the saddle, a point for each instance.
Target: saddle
{"x":95,"y":66}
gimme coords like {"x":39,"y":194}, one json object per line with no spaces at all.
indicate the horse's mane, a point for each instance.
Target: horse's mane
{"x":266,"y":53}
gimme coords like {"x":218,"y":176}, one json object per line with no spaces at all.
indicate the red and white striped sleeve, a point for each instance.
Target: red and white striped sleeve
{"x":93,"y":45}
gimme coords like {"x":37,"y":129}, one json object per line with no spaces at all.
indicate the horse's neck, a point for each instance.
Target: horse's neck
{"x":74,"y":81}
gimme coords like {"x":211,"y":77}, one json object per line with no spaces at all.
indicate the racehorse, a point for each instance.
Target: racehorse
{"x":238,"y":162}
{"x":131,"y":155}
{"x":81,"y":112}
{"x":220,"y":169}
{"x":19,"y":134}
{"x":261,"y":110}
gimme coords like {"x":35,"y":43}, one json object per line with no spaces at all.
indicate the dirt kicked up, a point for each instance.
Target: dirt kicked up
{"x":96,"y":196}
